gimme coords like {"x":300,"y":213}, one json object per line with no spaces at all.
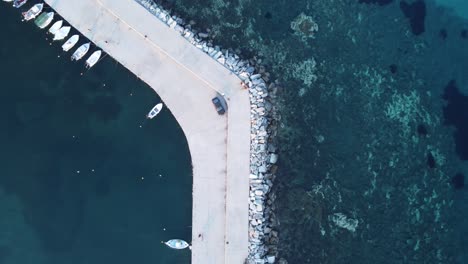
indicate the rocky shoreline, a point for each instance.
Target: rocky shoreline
{"x":263,"y":233}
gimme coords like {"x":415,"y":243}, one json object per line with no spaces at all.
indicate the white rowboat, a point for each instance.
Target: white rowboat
{"x":80,"y":52}
{"x":70,"y":43}
{"x":62,"y":33}
{"x":33,"y":12}
{"x":176,"y":244}
{"x":55,"y":27}
{"x":154,"y":112}
{"x":93,"y":59}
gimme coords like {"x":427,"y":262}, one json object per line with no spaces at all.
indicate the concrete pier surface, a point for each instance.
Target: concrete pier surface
{"x":186,"y":79}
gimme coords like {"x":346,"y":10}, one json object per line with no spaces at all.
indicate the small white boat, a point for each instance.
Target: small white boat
{"x":154,"y":112}
{"x":44,"y":19}
{"x":70,"y":43}
{"x":19,"y":3}
{"x":176,"y":244}
{"x":55,"y":27}
{"x":33,"y":12}
{"x":62,"y":33}
{"x":93,"y":59}
{"x":7,"y":0}
{"x":80,"y":52}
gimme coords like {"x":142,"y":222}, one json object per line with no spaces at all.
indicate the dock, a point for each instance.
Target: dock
{"x":186,"y":79}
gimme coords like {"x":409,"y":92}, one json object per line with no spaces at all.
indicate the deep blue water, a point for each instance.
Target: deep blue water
{"x":80,"y":181}
{"x":373,"y":122}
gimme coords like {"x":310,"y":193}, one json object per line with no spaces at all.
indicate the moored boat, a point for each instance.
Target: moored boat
{"x":44,"y":19}
{"x":70,"y":43}
{"x":154,"y":112}
{"x":33,"y":12}
{"x":55,"y":27}
{"x":176,"y":244}
{"x":7,"y":0}
{"x":93,"y":59}
{"x":80,"y":52}
{"x":19,"y":3}
{"x":62,"y":33}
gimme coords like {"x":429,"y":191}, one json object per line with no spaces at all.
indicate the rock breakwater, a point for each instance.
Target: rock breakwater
{"x":263,"y":232}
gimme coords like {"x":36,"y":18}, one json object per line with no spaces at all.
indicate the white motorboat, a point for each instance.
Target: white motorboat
{"x":93,"y":59}
{"x":176,"y":244}
{"x":44,"y":19}
{"x":80,"y":52}
{"x":55,"y":27}
{"x":33,"y":12}
{"x":7,"y":0}
{"x":62,"y":33}
{"x":70,"y":43}
{"x":154,"y":112}
{"x":19,"y":3}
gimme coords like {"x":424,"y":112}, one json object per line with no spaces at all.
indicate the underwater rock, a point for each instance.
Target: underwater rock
{"x":431,"y":162}
{"x":422,"y":130}
{"x":416,"y":13}
{"x":393,"y":68}
{"x":305,"y":71}
{"x":343,"y":221}
{"x":304,"y":26}
{"x":458,"y":181}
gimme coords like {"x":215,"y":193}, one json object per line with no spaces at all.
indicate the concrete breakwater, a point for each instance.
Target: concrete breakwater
{"x":263,"y":237}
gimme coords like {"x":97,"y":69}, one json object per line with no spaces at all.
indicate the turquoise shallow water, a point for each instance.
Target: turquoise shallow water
{"x":372,"y":136}
{"x":80,"y":181}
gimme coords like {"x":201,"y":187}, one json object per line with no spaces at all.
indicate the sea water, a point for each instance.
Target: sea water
{"x":84,"y":178}
{"x":373,"y":130}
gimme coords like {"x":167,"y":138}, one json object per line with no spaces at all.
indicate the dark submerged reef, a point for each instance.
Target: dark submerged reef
{"x":464,"y":33}
{"x":393,"y":68}
{"x":443,"y":34}
{"x":456,"y":114}
{"x":416,"y":13}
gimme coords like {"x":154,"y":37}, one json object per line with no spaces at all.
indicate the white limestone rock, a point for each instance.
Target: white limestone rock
{"x":273,"y":158}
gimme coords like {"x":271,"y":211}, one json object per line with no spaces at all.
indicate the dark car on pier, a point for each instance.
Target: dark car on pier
{"x":218,"y":103}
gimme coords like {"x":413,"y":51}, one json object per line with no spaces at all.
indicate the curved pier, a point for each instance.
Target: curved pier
{"x":186,"y":79}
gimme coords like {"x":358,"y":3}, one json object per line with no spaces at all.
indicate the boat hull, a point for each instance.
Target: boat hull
{"x":177,"y":244}
{"x":19,"y":3}
{"x":155,"y":111}
{"x":70,"y":43}
{"x":93,"y":59}
{"x":80,"y":52}
{"x":55,"y":27}
{"x":62,"y":33}
{"x":33,"y":12}
{"x":44,"y":19}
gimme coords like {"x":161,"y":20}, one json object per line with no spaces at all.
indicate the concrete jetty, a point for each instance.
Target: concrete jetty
{"x":186,"y":79}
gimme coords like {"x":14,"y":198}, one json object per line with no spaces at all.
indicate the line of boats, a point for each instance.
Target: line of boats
{"x":60,"y":32}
